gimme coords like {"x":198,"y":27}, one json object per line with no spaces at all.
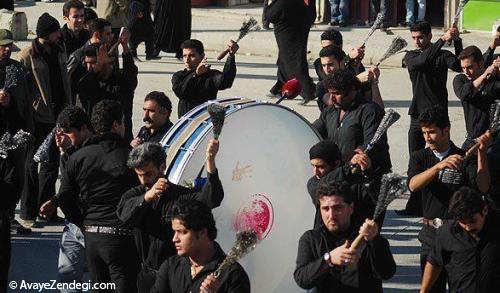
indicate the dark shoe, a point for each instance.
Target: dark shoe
{"x":18,"y":229}
{"x":333,"y":22}
{"x":304,"y":102}
{"x":342,"y":24}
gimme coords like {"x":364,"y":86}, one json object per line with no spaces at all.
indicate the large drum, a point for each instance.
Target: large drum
{"x":263,"y":164}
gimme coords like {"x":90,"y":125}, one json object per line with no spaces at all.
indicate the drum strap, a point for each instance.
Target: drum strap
{"x":176,"y":146}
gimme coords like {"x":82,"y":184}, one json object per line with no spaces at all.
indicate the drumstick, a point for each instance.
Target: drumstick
{"x":290,"y":90}
{"x":376,"y":24}
{"x":461,"y":6}
{"x":392,"y":186}
{"x":217,"y":114}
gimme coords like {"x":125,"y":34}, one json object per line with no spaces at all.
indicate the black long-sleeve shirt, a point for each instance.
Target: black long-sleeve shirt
{"x":193,"y":90}
{"x":356,"y":130}
{"x":428,"y":71}
{"x":472,"y":265}
{"x":154,"y":233}
{"x":476,"y":103}
{"x":489,"y":56}
{"x":174,"y":275}
{"x":99,"y":175}
{"x":8,"y":186}
{"x":376,"y":263}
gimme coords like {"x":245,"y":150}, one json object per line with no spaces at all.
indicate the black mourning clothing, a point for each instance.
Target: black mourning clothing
{"x":174,"y":275}
{"x":376,"y":263}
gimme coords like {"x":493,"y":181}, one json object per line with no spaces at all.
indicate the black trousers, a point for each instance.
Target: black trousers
{"x":112,"y":258}
{"x":40,"y":186}
{"x":415,"y":142}
{"x":5,"y":247}
{"x":142,"y":30}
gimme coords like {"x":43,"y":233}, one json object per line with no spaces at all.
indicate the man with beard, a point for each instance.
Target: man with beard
{"x":103,"y":80}
{"x":292,"y":20}
{"x":477,"y":88}
{"x":97,"y":176}
{"x":172,"y":25}
{"x":351,"y":121}
{"x":325,"y":260}
{"x":73,"y":33}
{"x":197,"y":83}
{"x":148,"y":206}
{"x":15,"y":112}
{"x":157,"y":109}
{"x":428,"y":70}
{"x":45,"y":60}
{"x":438,"y":171}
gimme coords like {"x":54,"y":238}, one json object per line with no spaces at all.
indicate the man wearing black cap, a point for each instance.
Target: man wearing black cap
{"x":45,"y":61}
{"x":15,"y":111}
{"x":328,"y":167}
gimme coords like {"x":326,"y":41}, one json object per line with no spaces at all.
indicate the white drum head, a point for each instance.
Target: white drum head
{"x":264,"y":165}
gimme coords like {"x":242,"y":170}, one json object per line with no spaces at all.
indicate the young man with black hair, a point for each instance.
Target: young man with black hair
{"x":73,"y":33}
{"x":97,"y":176}
{"x":428,"y":70}
{"x":198,"y":255}
{"x":325,"y":260}
{"x":103,"y":80}
{"x":467,"y":247}
{"x":477,"y":88}
{"x":327,"y":165}
{"x":437,"y":172}
{"x":146,"y":207}
{"x":197,"y":83}
{"x":45,"y":61}
{"x":157,"y":109}
{"x":74,"y":129}
{"x":351,"y":122}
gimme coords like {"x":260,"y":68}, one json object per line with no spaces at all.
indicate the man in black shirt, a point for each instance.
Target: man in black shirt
{"x":157,"y":109}
{"x":351,"y":121}
{"x":73,"y":33}
{"x":467,"y":247}
{"x":97,"y":175}
{"x":490,"y":55}
{"x":147,"y":206}
{"x":439,"y":170}
{"x":197,"y":83}
{"x":198,"y":256}
{"x":102,"y":80}
{"x":477,"y":88}
{"x":428,"y":69}
{"x":325,"y":260}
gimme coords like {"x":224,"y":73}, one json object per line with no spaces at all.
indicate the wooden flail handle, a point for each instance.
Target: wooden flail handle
{"x":222,"y":54}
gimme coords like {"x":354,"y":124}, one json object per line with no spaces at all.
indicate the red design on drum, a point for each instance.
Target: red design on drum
{"x":257,"y":213}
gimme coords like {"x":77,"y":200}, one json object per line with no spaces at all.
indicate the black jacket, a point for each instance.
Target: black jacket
{"x":154,"y":231}
{"x":355,"y":131}
{"x":71,"y":41}
{"x":376,"y":263}
{"x":193,"y":90}
{"x":146,"y":136}
{"x":428,"y":71}
{"x":476,"y":104}
{"x":99,"y":175}
{"x":8,"y":186}
{"x":174,"y":276}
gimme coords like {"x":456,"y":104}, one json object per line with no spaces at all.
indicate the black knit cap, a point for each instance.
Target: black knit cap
{"x":46,"y":25}
{"x":325,"y":150}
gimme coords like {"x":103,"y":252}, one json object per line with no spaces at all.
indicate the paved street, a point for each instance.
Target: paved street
{"x":35,"y":257}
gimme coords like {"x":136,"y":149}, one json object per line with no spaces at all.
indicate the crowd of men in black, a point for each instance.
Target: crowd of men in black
{"x":117,"y":200}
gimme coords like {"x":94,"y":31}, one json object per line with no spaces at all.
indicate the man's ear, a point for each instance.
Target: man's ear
{"x":163,"y":167}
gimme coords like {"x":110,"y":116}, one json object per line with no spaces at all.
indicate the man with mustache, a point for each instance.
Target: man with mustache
{"x":437,"y":172}
{"x":157,"y":109}
{"x":45,"y":61}
{"x":147,"y":207}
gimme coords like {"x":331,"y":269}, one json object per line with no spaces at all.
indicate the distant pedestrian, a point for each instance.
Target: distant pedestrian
{"x":172,"y":25}
{"x":141,"y":28}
